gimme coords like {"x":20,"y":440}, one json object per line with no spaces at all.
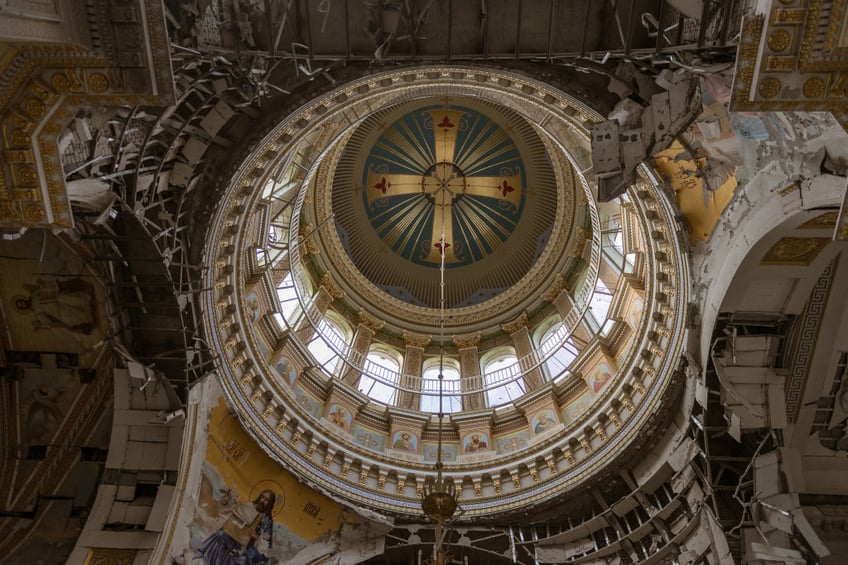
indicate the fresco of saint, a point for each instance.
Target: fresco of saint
{"x":246,"y":537}
{"x":476,"y":442}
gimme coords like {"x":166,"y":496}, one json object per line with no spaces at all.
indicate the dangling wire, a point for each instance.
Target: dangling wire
{"x":441,"y":346}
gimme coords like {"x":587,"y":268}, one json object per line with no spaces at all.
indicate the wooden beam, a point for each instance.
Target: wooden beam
{"x":629,"y":31}
{"x":550,"y":29}
{"x":308,"y":29}
{"x":296,"y":22}
{"x":705,"y":18}
{"x":484,"y":39}
{"x":347,"y":28}
{"x":414,"y":28}
{"x":660,"y":26}
{"x":518,"y":31}
{"x":450,"y":28}
{"x":269,"y":31}
{"x":726,"y":11}
{"x":585,"y":27}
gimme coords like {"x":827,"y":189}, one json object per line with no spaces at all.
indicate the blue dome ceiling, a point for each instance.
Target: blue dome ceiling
{"x":444,"y":171}
{"x":474,"y":173}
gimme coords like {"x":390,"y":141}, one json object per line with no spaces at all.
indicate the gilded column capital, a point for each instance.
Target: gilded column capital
{"x":581,"y":237}
{"x":518,"y":323}
{"x":305,"y":229}
{"x":411,"y":339}
{"x":330,"y":285}
{"x":370,"y":322}
{"x":555,"y":289}
{"x":308,"y":244}
{"x":465,"y":341}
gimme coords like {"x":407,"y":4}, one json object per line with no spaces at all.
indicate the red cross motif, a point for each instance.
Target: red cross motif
{"x":384,"y":186}
{"x":455,"y":178}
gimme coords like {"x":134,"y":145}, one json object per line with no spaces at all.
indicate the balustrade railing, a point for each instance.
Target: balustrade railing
{"x":543,"y":357}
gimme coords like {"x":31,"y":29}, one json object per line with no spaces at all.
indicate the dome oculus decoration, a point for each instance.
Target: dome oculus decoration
{"x":448,"y":167}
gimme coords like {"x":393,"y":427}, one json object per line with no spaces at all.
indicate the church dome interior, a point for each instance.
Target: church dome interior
{"x":366,"y":326}
{"x":384,"y":282}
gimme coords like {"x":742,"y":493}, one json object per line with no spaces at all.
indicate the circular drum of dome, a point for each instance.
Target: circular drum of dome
{"x":269,"y":301}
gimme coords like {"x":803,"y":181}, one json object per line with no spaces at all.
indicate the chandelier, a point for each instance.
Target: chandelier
{"x":438,"y":499}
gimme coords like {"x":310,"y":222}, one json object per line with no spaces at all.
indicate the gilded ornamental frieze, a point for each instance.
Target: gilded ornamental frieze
{"x":793,"y":56}
{"x":43,"y":87}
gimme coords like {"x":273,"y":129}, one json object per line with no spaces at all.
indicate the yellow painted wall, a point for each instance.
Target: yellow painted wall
{"x":247,"y":470}
{"x":701,"y":207}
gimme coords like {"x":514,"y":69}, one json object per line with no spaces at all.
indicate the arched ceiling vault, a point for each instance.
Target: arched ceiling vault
{"x":89,"y":149}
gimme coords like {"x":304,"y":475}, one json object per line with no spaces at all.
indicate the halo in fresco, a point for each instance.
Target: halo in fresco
{"x":276,"y":488}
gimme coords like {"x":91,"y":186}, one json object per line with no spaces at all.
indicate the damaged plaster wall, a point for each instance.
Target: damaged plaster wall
{"x":790,"y":169}
{"x":780,"y":176}
{"x":651,"y":112}
{"x":669,"y":498}
{"x":144,"y":451}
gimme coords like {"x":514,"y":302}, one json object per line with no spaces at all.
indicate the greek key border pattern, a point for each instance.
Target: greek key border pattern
{"x":804,"y":342}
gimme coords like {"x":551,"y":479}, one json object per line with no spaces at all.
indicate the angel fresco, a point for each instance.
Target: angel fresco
{"x":405,"y":441}
{"x":339,"y":416}
{"x":543,"y":421}
{"x":599,"y":377}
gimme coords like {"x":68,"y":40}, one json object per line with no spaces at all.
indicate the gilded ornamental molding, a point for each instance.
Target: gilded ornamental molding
{"x":289,"y":421}
{"x":43,"y":87}
{"x":793,"y":57}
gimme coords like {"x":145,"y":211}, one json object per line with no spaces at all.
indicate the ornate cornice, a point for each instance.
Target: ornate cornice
{"x":556,"y":288}
{"x":398,"y":312}
{"x":792,"y":58}
{"x":45,"y":86}
{"x":466,"y":341}
{"x":331,"y":287}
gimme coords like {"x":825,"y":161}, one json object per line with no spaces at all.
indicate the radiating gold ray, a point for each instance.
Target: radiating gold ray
{"x":418,"y":140}
{"x":465,"y":231}
{"x":493,"y":158}
{"x":408,"y":153}
{"x":402,"y":163}
{"x":493,"y":187}
{"x":421,"y":134}
{"x":389,"y":217}
{"x":422,"y":213}
{"x":394,"y":184}
{"x":482,"y":226}
{"x":402,"y":229}
{"x":483,"y":147}
{"x":485,"y":166}
{"x":389,"y":214}
{"x":491,"y":217}
{"x":470,"y":141}
{"x":445,"y":129}
{"x":442,"y":215}
{"x":487,"y":216}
